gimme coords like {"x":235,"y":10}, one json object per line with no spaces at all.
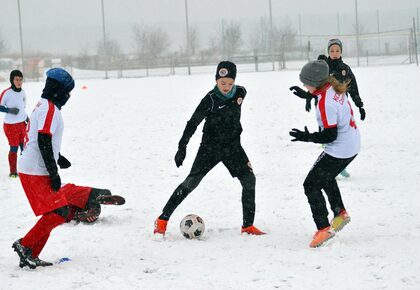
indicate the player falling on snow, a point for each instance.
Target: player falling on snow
{"x":55,"y":202}
{"x":341,"y":137}
{"x":221,"y":108}
{"x":341,"y":72}
{"x":13,"y":103}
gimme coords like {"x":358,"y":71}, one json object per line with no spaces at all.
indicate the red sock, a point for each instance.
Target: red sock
{"x":36,"y":250}
{"x":12,"y":162}
{"x":41,"y":231}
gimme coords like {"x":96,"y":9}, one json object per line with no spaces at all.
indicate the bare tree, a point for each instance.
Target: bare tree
{"x":362,"y":30}
{"x":259,"y":39}
{"x":212,"y":49}
{"x":149,"y":42}
{"x":140,"y":40}
{"x":84,"y":59}
{"x":284,"y":38}
{"x":111,"y":50}
{"x":194,"y":40}
{"x":158,"y":42}
{"x":2,"y":45}
{"x":232,"y":38}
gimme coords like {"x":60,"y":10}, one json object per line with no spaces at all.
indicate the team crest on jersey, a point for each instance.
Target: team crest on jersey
{"x":343,"y":72}
{"x":239,"y":101}
{"x":223,"y":72}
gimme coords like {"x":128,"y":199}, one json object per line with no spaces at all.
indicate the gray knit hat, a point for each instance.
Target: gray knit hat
{"x":335,"y":41}
{"x":314,"y":73}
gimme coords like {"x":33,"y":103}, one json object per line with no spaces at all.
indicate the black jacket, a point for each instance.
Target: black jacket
{"x":223,"y":119}
{"x":342,"y":72}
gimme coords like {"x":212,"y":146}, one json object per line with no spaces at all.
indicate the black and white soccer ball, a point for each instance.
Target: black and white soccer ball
{"x":192,"y":226}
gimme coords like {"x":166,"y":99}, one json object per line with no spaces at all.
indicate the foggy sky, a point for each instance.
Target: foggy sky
{"x":64,"y":26}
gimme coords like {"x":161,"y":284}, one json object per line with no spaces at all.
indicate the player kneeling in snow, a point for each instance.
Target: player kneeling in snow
{"x":56,"y":203}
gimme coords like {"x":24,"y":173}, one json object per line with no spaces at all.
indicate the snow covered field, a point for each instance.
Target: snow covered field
{"x":122,"y":135}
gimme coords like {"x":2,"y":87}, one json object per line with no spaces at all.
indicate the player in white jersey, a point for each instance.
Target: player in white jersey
{"x":339,"y":132}
{"x":55,"y":202}
{"x":13,"y":103}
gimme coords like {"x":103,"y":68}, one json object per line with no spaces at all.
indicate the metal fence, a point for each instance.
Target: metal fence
{"x":385,"y":48}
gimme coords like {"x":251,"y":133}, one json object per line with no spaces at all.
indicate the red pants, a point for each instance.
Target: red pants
{"x":15,"y":133}
{"x":43,"y":199}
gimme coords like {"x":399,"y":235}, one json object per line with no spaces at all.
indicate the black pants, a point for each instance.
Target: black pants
{"x":322,"y":176}
{"x":234,"y":158}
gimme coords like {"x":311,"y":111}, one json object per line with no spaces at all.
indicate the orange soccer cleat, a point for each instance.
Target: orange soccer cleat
{"x":321,"y":236}
{"x":251,"y":230}
{"x":338,"y":222}
{"x":160,"y":226}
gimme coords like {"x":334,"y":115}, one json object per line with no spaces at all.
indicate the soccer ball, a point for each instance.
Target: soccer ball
{"x":192,"y":226}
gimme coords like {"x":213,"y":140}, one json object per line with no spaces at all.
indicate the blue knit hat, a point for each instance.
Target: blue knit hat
{"x":63,"y":77}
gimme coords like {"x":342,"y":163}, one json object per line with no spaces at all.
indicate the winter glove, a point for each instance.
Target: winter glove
{"x":180,"y":156}
{"x":322,"y":57}
{"x":308,"y":105}
{"x":63,"y":162}
{"x":55,"y":182}
{"x":300,"y":135}
{"x":13,"y":111}
{"x":362,"y":113}
{"x":304,"y":95}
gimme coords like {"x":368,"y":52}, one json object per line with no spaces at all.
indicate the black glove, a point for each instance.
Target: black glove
{"x":300,"y":135}
{"x":322,"y":57}
{"x":308,"y":105}
{"x":13,"y":111}
{"x":362,"y":113}
{"x":304,"y":95}
{"x":63,"y":162}
{"x":180,"y":156}
{"x":55,"y":182}
{"x":301,"y":93}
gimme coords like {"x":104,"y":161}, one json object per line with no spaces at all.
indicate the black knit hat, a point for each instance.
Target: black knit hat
{"x":226,"y":69}
{"x":13,"y":74}
{"x":335,"y":41}
{"x":314,"y":73}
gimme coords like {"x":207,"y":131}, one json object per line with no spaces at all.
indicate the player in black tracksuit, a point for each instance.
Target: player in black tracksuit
{"x":342,"y":72}
{"x":221,"y":108}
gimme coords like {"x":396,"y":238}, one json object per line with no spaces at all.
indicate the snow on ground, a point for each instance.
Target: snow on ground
{"x":122,"y":135}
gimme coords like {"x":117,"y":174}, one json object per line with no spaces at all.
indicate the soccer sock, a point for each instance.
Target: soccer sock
{"x":12,"y":161}
{"x":42,"y":230}
{"x":36,"y":250}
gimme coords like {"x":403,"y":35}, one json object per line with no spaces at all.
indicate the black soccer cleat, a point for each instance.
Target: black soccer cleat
{"x":41,"y":263}
{"x":25,"y":255}
{"x":110,"y":199}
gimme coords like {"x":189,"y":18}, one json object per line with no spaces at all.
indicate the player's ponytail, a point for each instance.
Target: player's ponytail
{"x":340,"y":88}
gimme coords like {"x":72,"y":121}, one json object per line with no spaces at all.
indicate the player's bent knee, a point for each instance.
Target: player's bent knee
{"x":64,"y":212}
{"x":14,"y":149}
{"x":248,"y":180}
